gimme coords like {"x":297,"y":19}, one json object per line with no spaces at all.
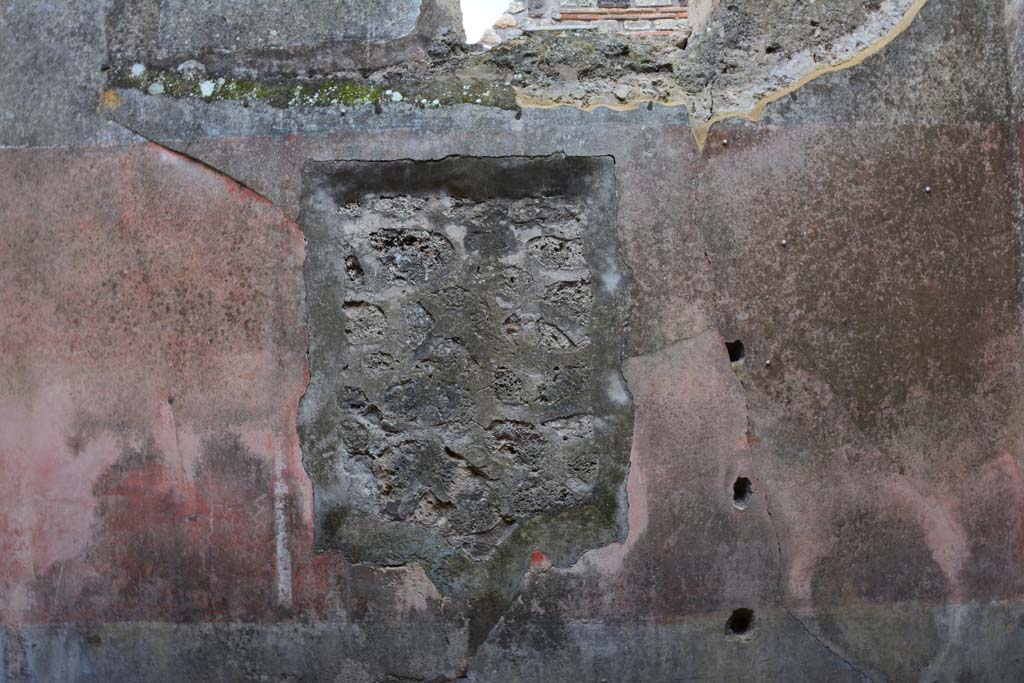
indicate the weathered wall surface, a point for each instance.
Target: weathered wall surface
{"x":161,"y":263}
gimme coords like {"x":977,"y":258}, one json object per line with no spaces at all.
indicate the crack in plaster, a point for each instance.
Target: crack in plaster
{"x":778,"y":544}
{"x":780,"y":580}
{"x":827,"y":646}
{"x":608,"y":558}
{"x":283,"y":560}
{"x":177,"y":438}
{"x":202,"y":164}
{"x":821,"y":641}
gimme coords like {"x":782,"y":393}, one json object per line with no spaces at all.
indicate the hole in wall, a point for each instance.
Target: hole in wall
{"x":742,"y":490}
{"x":736,"y":351}
{"x":741,"y":622}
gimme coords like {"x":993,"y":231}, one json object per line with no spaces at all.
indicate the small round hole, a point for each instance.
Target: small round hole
{"x":741,"y":622}
{"x":742,"y":490}
{"x":735,"y":349}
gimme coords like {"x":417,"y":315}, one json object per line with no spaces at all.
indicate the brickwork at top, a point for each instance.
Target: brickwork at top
{"x":634,"y":17}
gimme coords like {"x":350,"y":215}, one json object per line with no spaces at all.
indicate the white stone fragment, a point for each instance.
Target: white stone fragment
{"x":617,"y":391}
{"x":191,"y":67}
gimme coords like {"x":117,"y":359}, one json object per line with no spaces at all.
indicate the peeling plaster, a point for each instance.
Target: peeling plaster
{"x":755,"y":112}
{"x":848,"y":52}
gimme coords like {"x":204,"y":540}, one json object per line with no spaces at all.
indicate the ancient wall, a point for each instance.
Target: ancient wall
{"x":351,"y":353}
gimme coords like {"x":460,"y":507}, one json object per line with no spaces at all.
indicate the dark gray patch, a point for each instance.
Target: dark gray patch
{"x":187,"y":26}
{"x":460,"y":342}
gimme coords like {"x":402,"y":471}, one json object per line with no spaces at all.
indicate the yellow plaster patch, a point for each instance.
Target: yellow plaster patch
{"x":109,"y":100}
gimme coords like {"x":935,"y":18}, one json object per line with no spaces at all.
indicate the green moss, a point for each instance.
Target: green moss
{"x":334,"y":520}
{"x":283,"y":93}
{"x":321,"y":458}
{"x":562,"y":536}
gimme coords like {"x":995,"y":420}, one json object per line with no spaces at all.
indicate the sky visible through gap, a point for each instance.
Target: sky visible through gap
{"x":480,"y":15}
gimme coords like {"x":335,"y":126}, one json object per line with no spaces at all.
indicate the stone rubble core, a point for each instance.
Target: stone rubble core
{"x":465,"y":348}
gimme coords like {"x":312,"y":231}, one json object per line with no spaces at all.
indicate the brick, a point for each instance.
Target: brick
{"x":670,"y":24}
{"x":638,"y":25}
{"x":623,"y":15}
{"x":560,"y":27}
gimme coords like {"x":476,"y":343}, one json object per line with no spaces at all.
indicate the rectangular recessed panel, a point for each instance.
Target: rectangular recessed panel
{"x":466,"y":322}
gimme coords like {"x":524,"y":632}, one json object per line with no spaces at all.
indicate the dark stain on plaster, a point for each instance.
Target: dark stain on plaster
{"x":160,"y":548}
{"x":886,"y":345}
{"x":532,"y":623}
{"x":866,"y":540}
{"x":994,"y":527}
